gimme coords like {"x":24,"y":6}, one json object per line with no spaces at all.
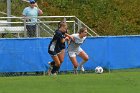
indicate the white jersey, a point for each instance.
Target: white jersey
{"x":74,"y":46}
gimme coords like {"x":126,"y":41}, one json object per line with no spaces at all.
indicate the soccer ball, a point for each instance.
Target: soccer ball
{"x":99,"y":70}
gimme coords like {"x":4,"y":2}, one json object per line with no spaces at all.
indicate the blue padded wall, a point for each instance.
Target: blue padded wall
{"x":28,"y":55}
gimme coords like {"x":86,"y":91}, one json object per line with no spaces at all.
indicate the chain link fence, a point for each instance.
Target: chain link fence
{"x":45,"y":26}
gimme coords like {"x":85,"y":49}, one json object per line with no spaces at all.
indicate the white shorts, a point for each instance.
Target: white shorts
{"x":74,"y":53}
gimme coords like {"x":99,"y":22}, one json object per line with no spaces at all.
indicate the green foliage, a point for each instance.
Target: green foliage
{"x":106,"y":17}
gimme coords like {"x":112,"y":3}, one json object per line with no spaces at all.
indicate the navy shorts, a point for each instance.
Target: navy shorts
{"x":53,"y":53}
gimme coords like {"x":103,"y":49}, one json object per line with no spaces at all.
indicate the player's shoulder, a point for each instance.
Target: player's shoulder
{"x":27,"y":9}
{"x":58,"y":33}
{"x":75,"y":35}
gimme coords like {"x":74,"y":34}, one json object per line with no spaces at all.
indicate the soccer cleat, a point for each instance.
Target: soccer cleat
{"x":54,"y":74}
{"x":50,"y":68}
{"x":82,"y":68}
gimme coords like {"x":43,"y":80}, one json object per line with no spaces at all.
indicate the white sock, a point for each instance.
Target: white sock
{"x":81,"y":63}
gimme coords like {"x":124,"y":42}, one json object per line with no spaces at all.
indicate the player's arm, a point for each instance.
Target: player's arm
{"x":40,"y":12}
{"x":24,"y":12}
{"x":69,"y":37}
{"x":65,"y":39}
{"x":62,"y":40}
{"x":58,"y":35}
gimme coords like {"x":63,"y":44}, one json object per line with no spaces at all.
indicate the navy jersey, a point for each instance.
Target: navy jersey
{"x":62,"y":45}
{"x":56,"y":45}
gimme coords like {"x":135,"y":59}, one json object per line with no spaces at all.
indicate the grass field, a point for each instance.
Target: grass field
{"x":117,"y":82}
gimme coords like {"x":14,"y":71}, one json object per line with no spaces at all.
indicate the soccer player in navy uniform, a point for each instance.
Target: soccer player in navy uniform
{"x":57,"y":47}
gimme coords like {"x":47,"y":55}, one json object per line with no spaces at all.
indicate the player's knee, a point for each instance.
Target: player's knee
{"x":86,"y":58}
{"x":58,"y":64}
{"x":61,"y":60}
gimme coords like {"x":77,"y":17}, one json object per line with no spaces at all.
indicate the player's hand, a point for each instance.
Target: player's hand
{"x":67,"y":38}
{"x":36,"y":5}
{"x":72,"y":38}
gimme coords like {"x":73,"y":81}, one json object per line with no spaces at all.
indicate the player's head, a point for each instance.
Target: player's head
{"x":83,"y":31}
{"x":63,"y":26}
{"x":32,"y":3}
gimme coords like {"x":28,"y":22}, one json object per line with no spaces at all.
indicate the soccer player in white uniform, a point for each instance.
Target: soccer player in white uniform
{"x":74,"y":49}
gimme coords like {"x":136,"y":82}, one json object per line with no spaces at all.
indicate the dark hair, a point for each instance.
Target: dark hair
{"x":82,"y":30}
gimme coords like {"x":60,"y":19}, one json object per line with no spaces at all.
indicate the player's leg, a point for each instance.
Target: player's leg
{"x":85,"y":58}
{"x":61,"y":55}
{"x":57,"y":64}
{"x":75,"y":64}
{"x":51,"y":64}
{"x":61,"y":58}
{"x":73,"y":59}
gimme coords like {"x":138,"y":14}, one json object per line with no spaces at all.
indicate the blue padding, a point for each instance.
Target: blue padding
{"x":23,"y":55}
{"x":28,"y":55}
{"x":124,"y":52}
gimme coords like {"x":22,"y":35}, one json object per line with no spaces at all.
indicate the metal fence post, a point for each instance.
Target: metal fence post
{"x":25,"y":31}
{"x":79,"y":25}
{"x":9,"y":11}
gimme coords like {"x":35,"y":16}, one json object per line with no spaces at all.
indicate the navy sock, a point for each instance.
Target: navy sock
{"x":52,"y":63}
{"x":55,"y":69}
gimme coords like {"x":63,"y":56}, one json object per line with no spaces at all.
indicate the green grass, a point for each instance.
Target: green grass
{"x":118,"y":82}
